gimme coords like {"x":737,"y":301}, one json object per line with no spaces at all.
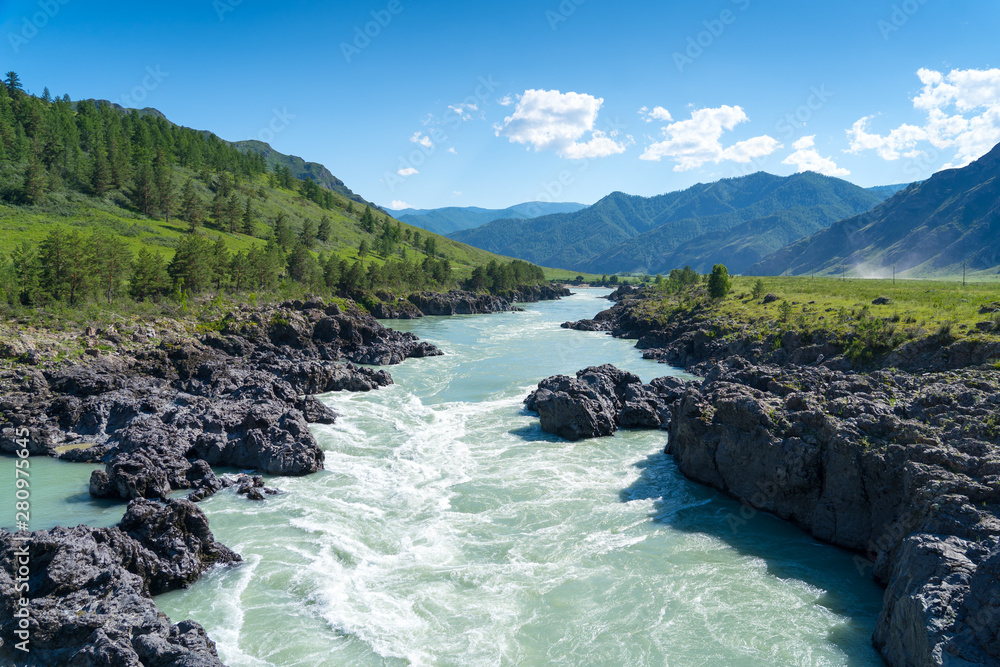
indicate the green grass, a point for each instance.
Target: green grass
{"x":111,"y":213}
{"x":841,"y":311}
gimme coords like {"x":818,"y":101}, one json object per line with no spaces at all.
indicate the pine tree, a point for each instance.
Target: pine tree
{"x":307,"y":234}
{"x":79,"y":266}
{"x":368,"y":220}
{"x":34,"y":181}
{"x":282,"y":234}
{"x":166,"y":197}
{"x":323,"y":232}
{"x":52,"y":258}
{"x":218,"y":209}
{"x":144,"y":189}
{"x":25,"y":269}
{"x":248,"y":218}
{"x":232,"y":213}
{"x":100,"y":177}
{"x":111,"y":260}
{"x":220,"y":263}
{"x":191,"y":206}
{"x":13,"y":82}
{"x":363,"y":249}
{"x":149,"y":275}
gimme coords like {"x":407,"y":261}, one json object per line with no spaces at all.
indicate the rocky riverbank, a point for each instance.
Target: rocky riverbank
{"x":459,"y":302}
{"x":700,"y":335}
{"x":901,"y":467}
{"x":159,"y":416}
{"x":90,"y":589}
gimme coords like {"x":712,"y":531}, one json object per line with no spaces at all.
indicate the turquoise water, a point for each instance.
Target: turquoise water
{"x":447,"y":529}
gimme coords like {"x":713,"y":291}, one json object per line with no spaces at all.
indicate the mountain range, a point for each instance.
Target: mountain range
{"x":737,"y":221}
{"x":454,"y":219}
{"x":941,"y":226}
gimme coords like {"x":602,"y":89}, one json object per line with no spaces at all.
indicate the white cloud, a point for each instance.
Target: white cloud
{"x":551,"y":120}
{"x":658,"y":113}
{"x":453,"y":151}
{"x":408,"y":171}
{"x":456,"y":193}
{"x":505,"y":101}
{"x":398,"y":205}
{"x":696,"y":141}
{"x":963,"y":115}
{"x":807,"y":158}
{"x":464,"y":111}
{"x":422,"y":139}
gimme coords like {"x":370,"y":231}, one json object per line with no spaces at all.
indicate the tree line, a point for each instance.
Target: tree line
{"x":71,"y":267}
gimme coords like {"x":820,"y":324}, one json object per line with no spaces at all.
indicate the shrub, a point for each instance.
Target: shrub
{"x":784,"y":311}
{"x":719,"y":283}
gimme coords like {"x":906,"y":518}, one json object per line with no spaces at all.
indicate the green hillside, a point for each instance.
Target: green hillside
{"x":92,"y":193}
{"x":944,"y":226}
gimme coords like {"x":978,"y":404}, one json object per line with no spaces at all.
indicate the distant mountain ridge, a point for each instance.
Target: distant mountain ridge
{"x":929,"y":229}
{"x":739,"y":220}
{"x":454,"y":219}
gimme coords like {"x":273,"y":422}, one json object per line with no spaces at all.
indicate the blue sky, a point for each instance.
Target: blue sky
{"x":491,"y":104}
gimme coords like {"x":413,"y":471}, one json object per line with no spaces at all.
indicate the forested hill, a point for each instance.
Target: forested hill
{"x":736,"y":221}
{"x":83,"y":184}
{"x":274,"y":160}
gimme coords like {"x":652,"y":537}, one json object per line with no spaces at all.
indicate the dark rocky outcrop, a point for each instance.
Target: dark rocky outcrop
{"x":599,"y":400}
{"x":903,"y":469}
{"x":236,"y":397}
{"x":89,"y":589}
{"x":458,"y":302}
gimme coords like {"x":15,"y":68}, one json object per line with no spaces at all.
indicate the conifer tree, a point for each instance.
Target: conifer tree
{"x":191,"y":206}
{"x":144,"y":189}
{"x":248,"y":218}
{"x":34,"y":181}
{"x":323,"y":232}
{"x":111,"y":260}
{"x":232,"y":213}
{"x":25,"y":269}
{"x":307,"y":234}
{"x":54,"y":264}
{"x":149,"y":275}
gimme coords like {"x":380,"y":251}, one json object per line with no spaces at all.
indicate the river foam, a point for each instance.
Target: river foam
{"x":447,"y":529}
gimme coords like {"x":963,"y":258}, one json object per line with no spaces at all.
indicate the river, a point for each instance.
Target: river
{"x":447,"y":529}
